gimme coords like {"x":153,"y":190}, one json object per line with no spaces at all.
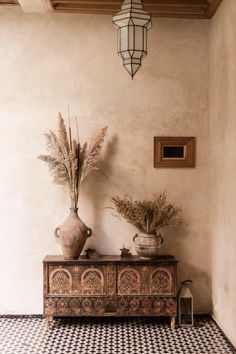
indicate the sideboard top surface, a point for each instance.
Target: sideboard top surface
{"x":110,"y":259}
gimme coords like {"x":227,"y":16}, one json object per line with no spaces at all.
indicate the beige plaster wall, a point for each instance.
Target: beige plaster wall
{"x":223,"y":132}
{"x":48,"y":61}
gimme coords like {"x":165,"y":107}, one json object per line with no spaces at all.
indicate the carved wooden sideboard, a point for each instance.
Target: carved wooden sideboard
{"x":110,"y":286}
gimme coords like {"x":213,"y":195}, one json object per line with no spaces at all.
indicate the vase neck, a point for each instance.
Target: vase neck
{"x":73,"y":211}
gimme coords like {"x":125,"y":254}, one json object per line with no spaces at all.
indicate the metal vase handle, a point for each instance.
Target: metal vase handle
{"x":56,"y":230}
{"x":89,"y":232}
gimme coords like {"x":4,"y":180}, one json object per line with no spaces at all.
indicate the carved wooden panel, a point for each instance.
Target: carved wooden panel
{"x":143,"y":280}
{"x":117,"y":306}
{"x":60,"y":282}
{"x":80,"y":306}
{"x":77,"y":280}
{"x":110,"y":286}
{"x":146,"y":306}
{"x":111,"y":280}
{"x":92,"y":282}
{"x":161,"y":281}
{"x":128,"y":281}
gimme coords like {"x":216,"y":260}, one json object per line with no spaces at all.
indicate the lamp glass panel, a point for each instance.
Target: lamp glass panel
{"x":137,"y":54}
{"x":131,"y":30}
{"x":139,"y":38}
{"x":118,"y":40}
{"x":125,"y":55}
{"x":186,"y":311}
{"x":138,"y":21}
{"x":145,"y":39}
{"x":128,"y":67}
{"x":132,"y":68}
{"x":132,"y":22}
{"x":124,"y":38}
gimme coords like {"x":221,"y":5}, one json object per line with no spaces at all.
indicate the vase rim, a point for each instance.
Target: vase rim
{"x":149,"y":235}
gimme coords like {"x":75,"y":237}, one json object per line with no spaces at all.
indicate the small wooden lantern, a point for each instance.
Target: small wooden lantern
{"x":185,"y":304}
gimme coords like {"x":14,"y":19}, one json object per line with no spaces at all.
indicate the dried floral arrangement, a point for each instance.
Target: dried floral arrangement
{"x":148,"y":216}
{"x":68,"y":161}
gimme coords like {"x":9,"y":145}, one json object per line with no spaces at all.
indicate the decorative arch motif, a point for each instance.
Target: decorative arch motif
{"x":60,"y":282}
{"x":128,"y":282}
{"x":92,"y":282}
{"x":160,"y":282}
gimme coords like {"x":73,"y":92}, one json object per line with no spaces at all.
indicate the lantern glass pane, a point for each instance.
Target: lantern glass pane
{"x":139,"y":38}
{"x":186,"y":316}
{"x":137,"y":54}
{"x":139,"y":21}
{"x":128,"y":67}
{"x":124,"y":38}
{"x":118,"y":40}
{"x":131,"y":37}
{"x":132,"y":22}
{"x":125,"y":55}
{"x":132,"y":68}
{"x":135,"y":68}
{"x":145,"y":39}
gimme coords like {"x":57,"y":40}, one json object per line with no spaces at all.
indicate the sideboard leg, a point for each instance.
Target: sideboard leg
{"x":48,"y":321}
{"x":172,"y":323}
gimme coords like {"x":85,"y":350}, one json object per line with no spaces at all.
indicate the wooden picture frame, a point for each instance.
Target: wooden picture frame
{"x":174,"y":152}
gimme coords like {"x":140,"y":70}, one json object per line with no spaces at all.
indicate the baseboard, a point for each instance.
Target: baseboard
{"x":227,"y":336}
{"x":21,"y":315}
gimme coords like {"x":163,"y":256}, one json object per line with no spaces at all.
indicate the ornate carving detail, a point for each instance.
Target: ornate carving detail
{"x":120,"y":306}
{"x":111,"y":280}
{"x":128,"y":282}
{"x":60,"y":282}
{"x":160,"y":282}
{"x":171,"y":307}
{"x":158,"y":306}
{"x":63,"y":306}
{"x":75,"y":302}
{"x":98,"y":306}
{"x":148,"y":306}
{"x":92,"y":282}
{"x":86,"y":306}
{"x":153,"y":280}
{"x":75,"y":306}
{"x":77,"y":280}
{"x":122,"y":288}
{"x":135,"y":304}
{"x":76,"y":269}
{"x":49,"y":307}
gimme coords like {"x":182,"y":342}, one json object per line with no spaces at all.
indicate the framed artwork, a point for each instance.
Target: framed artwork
{"x":174,"y":151}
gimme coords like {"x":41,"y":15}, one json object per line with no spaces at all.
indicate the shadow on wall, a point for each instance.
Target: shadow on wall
{"x":96,"y":191}
{"x":175,"y":240}
{"x":179,"y":240}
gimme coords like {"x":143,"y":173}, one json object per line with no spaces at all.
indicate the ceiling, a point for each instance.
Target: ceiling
{"x":158,"y":8}
{"x":8,"y":2}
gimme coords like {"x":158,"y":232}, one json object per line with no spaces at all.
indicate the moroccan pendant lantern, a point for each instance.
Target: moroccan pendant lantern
{"x":133,"y":23}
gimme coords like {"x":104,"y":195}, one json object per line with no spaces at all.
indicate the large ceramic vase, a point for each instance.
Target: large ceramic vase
{"x":147,"y":245}
{"x":72,"y":234}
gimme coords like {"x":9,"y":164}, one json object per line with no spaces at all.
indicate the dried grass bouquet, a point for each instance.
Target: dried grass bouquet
{"x":148,"y":216}
{"x":68,"y":161}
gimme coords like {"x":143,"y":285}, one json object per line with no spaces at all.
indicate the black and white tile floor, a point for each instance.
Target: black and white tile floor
{"x":28,"y":335}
